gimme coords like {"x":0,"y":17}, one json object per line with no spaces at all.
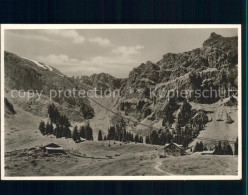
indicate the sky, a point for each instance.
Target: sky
{"x":113,"y":51}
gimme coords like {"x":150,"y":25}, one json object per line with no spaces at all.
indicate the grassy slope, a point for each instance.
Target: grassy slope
{"x":218,"y":129}
{"x":102,"y":117}
{"x":197,"y":164}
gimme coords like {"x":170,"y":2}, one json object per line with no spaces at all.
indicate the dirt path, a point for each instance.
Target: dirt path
{"x":157,"y":167}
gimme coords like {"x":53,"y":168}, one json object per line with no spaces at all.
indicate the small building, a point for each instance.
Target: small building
{"x":208,"y":152}
{"x":174,"y":149}
{"x":53,"y":148}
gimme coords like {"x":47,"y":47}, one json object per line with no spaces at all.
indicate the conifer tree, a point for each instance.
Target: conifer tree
{"x":111,"y":133}
{"x":100,"y":135}
{"x":229,"y":150}
{"x":75,"y":134}
{"x":184,"y":114}
{"x":59,"y":132}
{"x":9,"y":105}
{"x":51,"y":129}
{"x":67,"y":123}
{"x":56,"y":131}
{"x":42,"y":127}
{"x":48,"y":128}
{"x":147,"y":140}
{"x":124,"y":137}
{"x":201,"y":146}
{"x":88,"y":132}
{"x":62,"y":131}
{"x":67,"y":132}
{"x":218,"y":149}
{"x":136,"y":138}
{"x":82,"y":132}
{"x":196,"y":149}
{"x":51,"y":112}
{"x":184,"y":143}
{"x":154,"y":138}
{"x":236,"y":147}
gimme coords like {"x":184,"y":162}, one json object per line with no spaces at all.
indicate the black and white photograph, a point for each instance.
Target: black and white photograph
{"x":121,"y":102}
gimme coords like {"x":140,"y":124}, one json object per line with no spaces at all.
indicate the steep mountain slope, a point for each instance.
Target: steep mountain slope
{"x":23,"y":74}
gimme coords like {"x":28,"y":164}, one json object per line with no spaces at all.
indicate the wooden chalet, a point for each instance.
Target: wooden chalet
{"x":174,"y":149}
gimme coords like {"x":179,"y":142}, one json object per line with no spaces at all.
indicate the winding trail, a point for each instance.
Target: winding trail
{"x":157,"y":167}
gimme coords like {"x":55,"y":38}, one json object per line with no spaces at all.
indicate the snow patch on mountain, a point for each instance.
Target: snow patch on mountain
{"x":39,"y":64}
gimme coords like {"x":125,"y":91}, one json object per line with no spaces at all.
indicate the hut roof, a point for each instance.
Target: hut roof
{"x":52,"y":145}
{"x":51,"y":148}
{"x":177,"y":145}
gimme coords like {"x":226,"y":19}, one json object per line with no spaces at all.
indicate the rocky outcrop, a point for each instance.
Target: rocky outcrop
{"x":101,"y":81}
{"x":146,"y":73}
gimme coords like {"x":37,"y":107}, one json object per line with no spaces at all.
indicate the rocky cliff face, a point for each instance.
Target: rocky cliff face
{"x":213,"y":65}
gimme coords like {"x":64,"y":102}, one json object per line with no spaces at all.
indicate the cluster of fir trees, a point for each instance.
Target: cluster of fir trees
{"x":85,"y":132}
{"x":123,"y":135}
{"x":169,"y":109}
{"x":155,"y":138}
{"x":62,"y":124}
{"x":184,"y":114}
{"x":191,"y":119}
{"x":163,"y":137}
{"x":220,"y":149}
{"x":223,"y":149}
{"x":188,"y":124}
{"x":199,"y":147}
{"x":184,"y":135}
{"x":181,"y":135}
{"x":59,"y":131}
{"x":118,"y":132}
{"x":56,"y":117}
{"x":87,"y":111}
